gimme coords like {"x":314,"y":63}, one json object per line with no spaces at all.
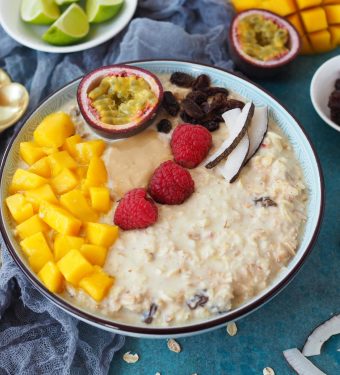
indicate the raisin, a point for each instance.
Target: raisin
{"x":197,"y":96}
{"x":196,"y":301}
{"x":192,"y":109}
{"x":181,"y":79}
{"x":186,"y":118}
{"x":337,"y":84}
{"x":164,"y":126}
{"x":148,"y":316}
{"x":201,"y":82}
{"x":231,"y":104}
{"x":335,"y":115}
{"x":334,"y":100}
{"x":219,"y":101}
{"x":265,"y":202}
{"x":170,"y":103}
{"x":211,"y":125}
{"x":211,"y":91}
{"x":205,"y":107}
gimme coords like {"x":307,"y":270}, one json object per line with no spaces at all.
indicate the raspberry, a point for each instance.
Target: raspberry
{"x":190,"y":144}
{"x":171,"y":184}
{"x":135,"y":210}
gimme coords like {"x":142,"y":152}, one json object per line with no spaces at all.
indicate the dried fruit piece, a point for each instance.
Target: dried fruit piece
{"x":186,"y":118}
{"x":130,"y":358}
{"x":265,"y":202}
{"x":164,"y":126}
{"x":198,"y":300}
{"x":211,"y":125}
{"x":197,"y":96}
{"x":201,"y":82}
{"x":219,"y":101}
{"x":234,"y":103}
{"x":232,"y":328}
{"x":192,"y":109}
{"x":211,"y":91}
{"x":334,"y":100}
{"x":148,"y":317}
{"x":181,"y":79}
{"x":337,"y":84}
{"x":174,"y":346}
{"x":257,"y":130}
{"x":170,"y":103}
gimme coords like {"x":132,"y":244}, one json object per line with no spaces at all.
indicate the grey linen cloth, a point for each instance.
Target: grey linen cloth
{"x":36,"y":337}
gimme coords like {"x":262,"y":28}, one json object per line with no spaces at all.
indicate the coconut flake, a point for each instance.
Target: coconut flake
{"x":236,"y":133}
{"x":257,"y":130}
{"x":300,"y":363}
{"x":320,"y":335}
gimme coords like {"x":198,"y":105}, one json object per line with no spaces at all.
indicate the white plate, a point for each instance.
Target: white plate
{"x":30,"y":35}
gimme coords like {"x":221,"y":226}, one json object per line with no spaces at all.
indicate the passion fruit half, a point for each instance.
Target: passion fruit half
{"x":262,"y":44}
{"x":119,"y":101}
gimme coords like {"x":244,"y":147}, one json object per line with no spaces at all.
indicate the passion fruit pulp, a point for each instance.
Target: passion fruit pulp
{"x":119,"y":101}
{"x":262,"y":44}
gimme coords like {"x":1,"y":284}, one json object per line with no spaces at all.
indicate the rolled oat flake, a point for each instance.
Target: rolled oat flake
{"x":130,"y":358}
{"x":268,"y":371}
{"x":174,"y":346}
{"x":232,"y":329}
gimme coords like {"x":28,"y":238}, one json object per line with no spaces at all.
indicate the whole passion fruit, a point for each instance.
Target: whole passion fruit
{"x":262,"y":44}
{"x":119,"y":101}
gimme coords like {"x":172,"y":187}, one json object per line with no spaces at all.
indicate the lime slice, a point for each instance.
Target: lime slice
{"x":69,"y":28}
{"x":102,"y":10}
{"x":41,"y":12}
{"x":63,"y":2}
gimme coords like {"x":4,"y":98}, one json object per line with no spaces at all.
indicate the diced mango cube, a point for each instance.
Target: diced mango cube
{"x":53,"y":130}
{"x":81,"y":172}
{"x":61,"y":160}
{"x":74,"y":266}
{"x":63,"y":244}
{"x":41,"y":168}
{"x":30,"y":152}
{"x":321,"y":41}
{"x":70,"y":144}
{"x":306,"y":47}
{"x":25,"y":180}
{"x":51,"y":277}
{"x":101,"y":234}
{"x":241,"y":5}
{"x":75,"y":202}
{"x":49,"y":150}
{"x":59,"y":219}
{"x":37,"y":250}
{"x":87,"y":150}
{"x":295,"y":20}
{"x":96,"y":172}
{"x":314,"y":19}
{"x":64,"y":181}
{"x":19,"y":207}
{"x":31,"y":226}
{"x":282,"y":8}
{"x":303,"y":4}
{"x":100,"y":199}
{"x":97,"y":285}
{"x":95,"y":254}
{"x":333,"y":14}
{"x":335,"y":33}
{"x":41,"y":194}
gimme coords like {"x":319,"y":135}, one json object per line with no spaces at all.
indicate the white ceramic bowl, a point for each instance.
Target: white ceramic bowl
{"x":321,"y":87}
{"x":30,"y":35}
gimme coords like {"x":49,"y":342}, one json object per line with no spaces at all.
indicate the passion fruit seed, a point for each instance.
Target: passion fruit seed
{"x":119,"y":99}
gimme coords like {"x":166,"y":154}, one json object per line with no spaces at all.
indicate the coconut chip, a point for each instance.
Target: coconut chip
{"x":300,"y":363}
{"x":232,"y":328}
{"x":130,"y":358}
{"x":174,"y":346}
{"x":268,"y":371}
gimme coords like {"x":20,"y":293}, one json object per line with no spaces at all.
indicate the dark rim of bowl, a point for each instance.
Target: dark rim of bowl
{"x":249,"y":61}
{"x":169,"y":331}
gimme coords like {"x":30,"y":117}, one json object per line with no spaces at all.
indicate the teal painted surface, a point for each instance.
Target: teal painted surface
{"x":287,"y":320}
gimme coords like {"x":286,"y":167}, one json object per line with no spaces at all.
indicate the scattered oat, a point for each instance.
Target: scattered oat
{"x":130,"y":358}
{"x":158,"y":373}
{"x":268,"y":371}
{"x":174,"y":346}
{"x":231,"y":328}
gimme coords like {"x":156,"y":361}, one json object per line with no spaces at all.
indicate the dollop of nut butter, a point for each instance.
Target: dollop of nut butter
{"x":131,"y":162}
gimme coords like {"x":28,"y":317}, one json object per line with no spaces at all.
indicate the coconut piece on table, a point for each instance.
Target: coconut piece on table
{"x":320,"y":335}
{"x":300,"y":363}
{"x":257,"y":130}
{"x":237,"y":132}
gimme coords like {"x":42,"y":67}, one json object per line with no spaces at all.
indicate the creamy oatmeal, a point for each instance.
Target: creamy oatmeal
{"x":224,"y":245}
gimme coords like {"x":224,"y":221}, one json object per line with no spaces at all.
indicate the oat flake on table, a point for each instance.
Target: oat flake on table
{"x":231,"y":328}
{"x":130,"y":358}
{"x":174,"y":346}
{"x":268,"y":371}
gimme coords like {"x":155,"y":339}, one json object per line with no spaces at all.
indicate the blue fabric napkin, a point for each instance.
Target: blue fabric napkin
{"x":37,"y":337}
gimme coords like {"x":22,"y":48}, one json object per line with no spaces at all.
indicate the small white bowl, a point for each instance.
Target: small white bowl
{"x":30,"y":35}
{"x":321,"y":87}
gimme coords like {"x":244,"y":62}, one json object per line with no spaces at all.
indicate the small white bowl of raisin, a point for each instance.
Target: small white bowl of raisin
{"x":325,"y":92}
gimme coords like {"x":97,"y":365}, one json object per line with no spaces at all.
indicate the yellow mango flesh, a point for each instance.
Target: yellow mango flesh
{"x":70,"y":144}
{"x":96,"y":172}
{"x":87,"y":150}
{"x":19,"y":207}
{"x":51,"y":277}
{"x":63,"y":182}
{"x":333,"y":14}
{"x":63,"y":244}
{"x":25,"y":180}
{"x":37,"y":250}
{"x":75,"y":202}
{"x":314,"y":19}
{"x":101,"y":234}
{"x":41,"y":168}
{"x":95,"y":254}
{"x":59,"y":219}
{"x":321,"y":40}
{"x":53,"y":130}
{"x":30,"y":153}
{"x":97,"y":285}
{"x":43,"y":193}
{"x":303,"y":4}
{"x":60,"y":160}
{"x":31,"y":226}
{"x":335,"y":33}
{"x":74,"y":266}
{"x":100,"y":199}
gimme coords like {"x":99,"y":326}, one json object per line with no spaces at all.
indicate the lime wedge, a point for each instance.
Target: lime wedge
{"x":69,"y":28}
{"x":63,"y":2}
{"x":40,"y":12}
{"x":102,"y":10}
